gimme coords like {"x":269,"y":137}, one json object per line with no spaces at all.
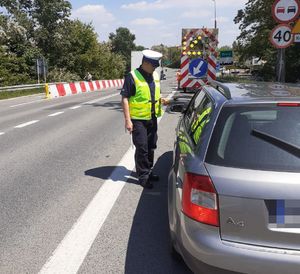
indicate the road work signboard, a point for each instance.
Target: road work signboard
{"x":281,"y":36}
{"x":198,"y":57}
{"x":285,"y":11}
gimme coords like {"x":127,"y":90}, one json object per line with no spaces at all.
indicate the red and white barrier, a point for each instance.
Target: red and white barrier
{"x":60,"y":89}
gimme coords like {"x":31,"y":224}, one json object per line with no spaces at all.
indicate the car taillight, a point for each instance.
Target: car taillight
{"x":288,"y":104}
{"x":199,"y":199}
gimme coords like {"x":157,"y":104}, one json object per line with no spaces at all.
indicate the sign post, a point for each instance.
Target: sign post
{"x":226,"y":57}
{"x":284,"y":12}
{"x":296,"y":32}
{"x":281,"y":36}
{"x":41,"y":69}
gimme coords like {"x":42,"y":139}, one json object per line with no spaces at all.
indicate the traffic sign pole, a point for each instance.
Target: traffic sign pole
{"x":280,"y":71}
{"x":282,"y":36}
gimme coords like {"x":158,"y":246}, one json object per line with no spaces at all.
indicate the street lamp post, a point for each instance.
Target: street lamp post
{"x":215,"y":8}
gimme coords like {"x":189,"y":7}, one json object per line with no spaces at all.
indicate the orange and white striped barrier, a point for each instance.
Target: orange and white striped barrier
{"x":66,"y":89}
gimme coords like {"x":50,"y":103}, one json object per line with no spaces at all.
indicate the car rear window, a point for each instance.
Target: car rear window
{"x":257,"y":137}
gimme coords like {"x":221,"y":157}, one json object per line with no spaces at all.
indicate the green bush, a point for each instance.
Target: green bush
{"x":62,"y":75}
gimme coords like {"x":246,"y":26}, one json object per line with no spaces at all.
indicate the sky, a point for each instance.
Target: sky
{"x":156,"y":22}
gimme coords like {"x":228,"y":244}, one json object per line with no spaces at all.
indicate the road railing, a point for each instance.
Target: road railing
{"x":21,"y":87}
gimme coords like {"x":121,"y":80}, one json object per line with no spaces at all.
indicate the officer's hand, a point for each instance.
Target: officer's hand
{"x":129,"y":126}
{"x":165,"y":101}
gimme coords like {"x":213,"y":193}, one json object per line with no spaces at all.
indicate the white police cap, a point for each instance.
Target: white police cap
{"x":152,"y":57}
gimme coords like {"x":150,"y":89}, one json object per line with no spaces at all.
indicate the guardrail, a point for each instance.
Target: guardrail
{"x":21,"y":87}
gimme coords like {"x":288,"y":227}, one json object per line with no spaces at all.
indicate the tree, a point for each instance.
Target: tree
{"x":13,"y":69}
{"x":123,"y":43}
{"x":256,"y":23}
{"x":82,"y":53}
{"x":31,"y":29}
{"x":139,"y":48}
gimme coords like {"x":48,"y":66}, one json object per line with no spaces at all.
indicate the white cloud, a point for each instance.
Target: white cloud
{"x":196,"y":14}
{"x":222,"y":19}
{"x":164,"y":4}
{"x":145,"y":21}
{"x":94,"y":13}
{"x":170,"y":15}
{"x":143,"y":5}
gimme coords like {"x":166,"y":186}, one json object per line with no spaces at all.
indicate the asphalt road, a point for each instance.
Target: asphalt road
{"x":59,"y":155}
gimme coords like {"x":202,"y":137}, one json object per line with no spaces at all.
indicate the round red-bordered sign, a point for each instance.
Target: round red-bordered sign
{"x":281,"y":36}
{"x":285,"y":11}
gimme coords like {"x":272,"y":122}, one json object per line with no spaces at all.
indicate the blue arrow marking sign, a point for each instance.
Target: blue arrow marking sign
{"x":198,"y":67}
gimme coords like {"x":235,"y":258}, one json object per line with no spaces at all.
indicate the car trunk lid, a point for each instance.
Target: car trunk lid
{"x":258,"y":207}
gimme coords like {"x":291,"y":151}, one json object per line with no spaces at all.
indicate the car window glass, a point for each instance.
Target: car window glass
{"x":199,"y":118}
{"x":257,"y":137}
{"x":195,"y":102}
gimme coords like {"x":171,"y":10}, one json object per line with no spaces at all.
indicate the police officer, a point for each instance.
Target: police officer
{"x":142,"y":102}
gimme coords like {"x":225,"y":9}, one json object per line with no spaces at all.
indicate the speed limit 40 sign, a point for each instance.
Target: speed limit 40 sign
{"x":281,"y":36}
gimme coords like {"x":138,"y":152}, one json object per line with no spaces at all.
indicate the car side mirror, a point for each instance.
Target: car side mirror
{"x":178,"y":107}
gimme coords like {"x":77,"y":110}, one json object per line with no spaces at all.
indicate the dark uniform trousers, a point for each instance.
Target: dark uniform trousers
{"x":144,"y":137}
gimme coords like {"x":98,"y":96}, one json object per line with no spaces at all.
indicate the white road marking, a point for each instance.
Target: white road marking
{"x":27,"y":124}
{"x":2,"y":133}
{"x":75,"y":107}
{"x":69,"y":255}
{"x":72,"y":250}
{"x":20,"y":97}
{"x":100,"y":99}
{"x":27,"y":103}
{"x":56,"y":113}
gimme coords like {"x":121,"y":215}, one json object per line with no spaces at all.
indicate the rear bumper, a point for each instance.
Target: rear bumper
{"x":204,"y":251}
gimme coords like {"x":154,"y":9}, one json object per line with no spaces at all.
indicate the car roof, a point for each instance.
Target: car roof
{"x":254,"y":92}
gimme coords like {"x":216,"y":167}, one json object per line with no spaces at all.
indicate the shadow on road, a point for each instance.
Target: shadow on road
{"x":148,"y":245}
{"x":115,"y":173}
{"x":113,"y":105}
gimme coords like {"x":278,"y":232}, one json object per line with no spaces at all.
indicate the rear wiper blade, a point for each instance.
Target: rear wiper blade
{"x":289,"y":147}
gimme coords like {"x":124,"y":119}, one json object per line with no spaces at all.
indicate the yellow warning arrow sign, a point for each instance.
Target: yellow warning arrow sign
{"x":296,"y":28}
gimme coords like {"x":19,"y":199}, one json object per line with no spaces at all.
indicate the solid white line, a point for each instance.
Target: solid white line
{"x":20,"y":97}
{"x":101,"y":99}
{"x":2,"y":133}
{"x":56,"y":113}
{"x":27,"y":124}
{"x":69,"y":255}
{"x":71,"y":252}
{"x":75,"y":107}
{"x":27,"y":103}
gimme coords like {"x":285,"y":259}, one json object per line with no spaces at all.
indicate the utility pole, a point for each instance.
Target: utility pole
{"x":215,"y":11}
{"x":280,"y":69}
{"x":38,"y":69}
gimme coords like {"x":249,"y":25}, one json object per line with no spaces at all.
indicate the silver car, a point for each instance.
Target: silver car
{"x":234,"y":187}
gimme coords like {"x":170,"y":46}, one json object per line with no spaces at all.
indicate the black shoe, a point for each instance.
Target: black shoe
{"x":153,"y":177}
{"x":147,"y":184}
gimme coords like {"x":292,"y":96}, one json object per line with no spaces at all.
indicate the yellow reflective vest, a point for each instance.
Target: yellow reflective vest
{"x":198,"y":125}
{"x":140,"y":105}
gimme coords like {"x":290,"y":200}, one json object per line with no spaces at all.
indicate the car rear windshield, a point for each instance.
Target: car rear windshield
{"x":257,"y":137}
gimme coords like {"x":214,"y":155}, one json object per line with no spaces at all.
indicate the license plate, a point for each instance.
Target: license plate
{"x":284,"y":213}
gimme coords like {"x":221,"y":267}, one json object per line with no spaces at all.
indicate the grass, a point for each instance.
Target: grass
{"x":18,"y":93}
